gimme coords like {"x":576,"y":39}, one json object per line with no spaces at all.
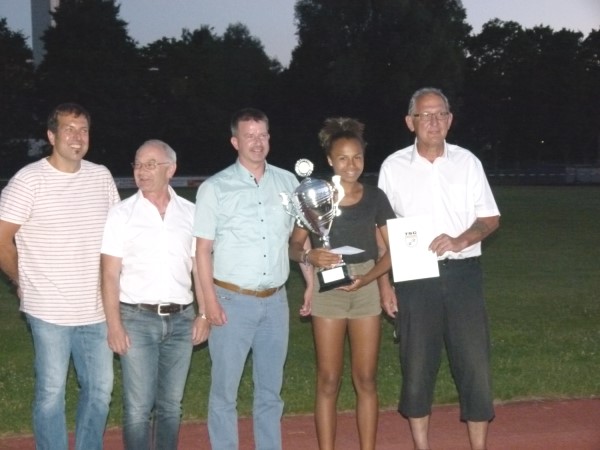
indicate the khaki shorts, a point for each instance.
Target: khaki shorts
{"x":338,"y":304}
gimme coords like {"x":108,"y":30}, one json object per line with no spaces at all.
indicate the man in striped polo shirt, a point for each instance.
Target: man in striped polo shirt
{"x":52,"y":215}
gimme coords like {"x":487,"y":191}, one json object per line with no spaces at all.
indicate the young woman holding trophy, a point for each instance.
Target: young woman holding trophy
{"x":352,"y":310}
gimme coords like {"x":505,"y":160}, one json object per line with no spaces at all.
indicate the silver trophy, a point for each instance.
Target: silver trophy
{"x":314,"y":204}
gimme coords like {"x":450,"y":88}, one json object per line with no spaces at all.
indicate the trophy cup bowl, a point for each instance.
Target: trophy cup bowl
{"x":314,"y":204}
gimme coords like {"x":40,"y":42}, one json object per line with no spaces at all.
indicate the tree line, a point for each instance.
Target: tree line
{"x":521,"y":97}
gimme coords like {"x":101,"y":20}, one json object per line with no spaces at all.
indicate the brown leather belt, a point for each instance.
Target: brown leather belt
{"x":162,"y":309}
{"x":239,"y":290}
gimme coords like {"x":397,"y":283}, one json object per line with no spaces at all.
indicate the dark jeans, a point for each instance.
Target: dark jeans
{"x":447,"y":310}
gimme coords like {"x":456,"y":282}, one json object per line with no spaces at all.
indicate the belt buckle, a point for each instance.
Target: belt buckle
{"x":158,"y":309}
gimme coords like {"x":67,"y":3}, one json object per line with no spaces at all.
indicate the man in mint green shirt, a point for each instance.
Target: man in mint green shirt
{"x":242,"y":233}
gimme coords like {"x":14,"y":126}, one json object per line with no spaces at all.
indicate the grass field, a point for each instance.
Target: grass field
{"x":542,"y":271}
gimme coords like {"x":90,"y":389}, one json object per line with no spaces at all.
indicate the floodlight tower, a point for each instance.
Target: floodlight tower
{"x":40,"y":21}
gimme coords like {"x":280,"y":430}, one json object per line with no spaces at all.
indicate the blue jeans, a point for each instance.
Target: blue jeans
{"x":260,"y":325}
{"x":154,"y":370}
{"x":54,"y":346}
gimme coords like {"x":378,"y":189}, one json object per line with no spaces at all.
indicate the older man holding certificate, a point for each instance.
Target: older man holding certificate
{"x":446,"y":187}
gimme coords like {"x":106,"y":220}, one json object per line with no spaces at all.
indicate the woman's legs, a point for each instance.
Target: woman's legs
{"x":364,"y":336}
{"x":329,"y":335}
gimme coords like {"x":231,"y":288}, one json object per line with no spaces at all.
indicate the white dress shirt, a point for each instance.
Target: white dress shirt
{"x":156,"y":253}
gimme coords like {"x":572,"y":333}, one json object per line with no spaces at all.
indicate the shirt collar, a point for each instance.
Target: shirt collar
{"x":416,"y":157}
{"x":245,"y":174}
{"x":172,"y":192}
{"x":172,"y":195}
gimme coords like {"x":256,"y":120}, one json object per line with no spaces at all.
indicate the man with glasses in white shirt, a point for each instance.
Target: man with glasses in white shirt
{"x":147,"y":270}
{"x":447,"y":183}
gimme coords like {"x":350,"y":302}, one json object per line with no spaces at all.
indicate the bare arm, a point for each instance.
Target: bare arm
{"x":118,"y":341}
{"x":201,"y":327}
{"x":381,"y":267}
{"x":318,"y":257}
{"x":9,"y":261}
{"x":212,"y":309}
{"x":477,"y":232}
{"x":387,"y":293}
{"x":299,"y":248}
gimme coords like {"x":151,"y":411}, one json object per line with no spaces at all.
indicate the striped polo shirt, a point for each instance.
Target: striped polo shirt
{"x":62,"y":218}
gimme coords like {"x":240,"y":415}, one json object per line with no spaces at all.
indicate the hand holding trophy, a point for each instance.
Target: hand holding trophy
{"x":315,"y":203}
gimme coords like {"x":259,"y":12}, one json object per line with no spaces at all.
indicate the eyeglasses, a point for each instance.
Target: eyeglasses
{"x":442,"y":116}
{"x":150,"y":165}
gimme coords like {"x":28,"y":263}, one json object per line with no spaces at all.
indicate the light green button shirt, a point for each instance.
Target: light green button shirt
{"x":248,"y":225}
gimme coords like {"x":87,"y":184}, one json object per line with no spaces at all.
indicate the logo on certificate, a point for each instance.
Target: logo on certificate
{"x":410,"y":238}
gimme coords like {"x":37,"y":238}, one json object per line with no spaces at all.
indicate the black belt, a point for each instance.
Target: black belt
{"x":162,"y":309}
{"x":455,"y":262}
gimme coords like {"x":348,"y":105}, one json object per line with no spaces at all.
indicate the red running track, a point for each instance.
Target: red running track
{"x":527,"y":425}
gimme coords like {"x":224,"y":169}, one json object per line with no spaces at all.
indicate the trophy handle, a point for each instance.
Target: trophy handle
{"x":287,"y":205}
{"x":338,"y":192}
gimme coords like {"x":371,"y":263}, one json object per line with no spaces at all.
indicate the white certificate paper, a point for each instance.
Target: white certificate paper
{"x":346,"y":250}
{"x":409,"y":241}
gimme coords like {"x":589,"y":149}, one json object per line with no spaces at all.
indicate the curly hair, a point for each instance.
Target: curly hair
{"x":336,"y":128}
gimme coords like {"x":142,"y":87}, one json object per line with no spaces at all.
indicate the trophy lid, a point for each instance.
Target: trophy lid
{"x":304,"y":167}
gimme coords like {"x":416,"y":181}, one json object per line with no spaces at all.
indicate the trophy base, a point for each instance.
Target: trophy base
{"x":333,"y":278}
